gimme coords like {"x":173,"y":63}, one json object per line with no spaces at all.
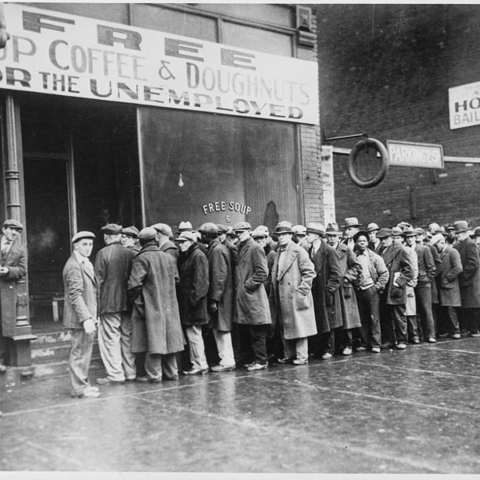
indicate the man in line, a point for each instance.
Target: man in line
{"x":80,"y":313}
{"x":368,"y":287}
{"x":155,"y":316}
{"x":13,"y":267}
{"x":292,"y":276}
{"x":112,"y":267}
{"x":252,"y":307}
{"x":220,"y":296}
{"x":373,"y":241}
{"x":351,"y":227}
{"x":130,"y":238}
{"x":164,"y":235}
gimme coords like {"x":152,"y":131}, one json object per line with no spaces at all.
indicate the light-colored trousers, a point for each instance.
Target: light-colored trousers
{"x":296,"y":348}
{"x":114,"y":341}
{"x":224,"y":347}
{"x":80,"y":358}
{"x":156,"y":364}
{"x":196,"y":346}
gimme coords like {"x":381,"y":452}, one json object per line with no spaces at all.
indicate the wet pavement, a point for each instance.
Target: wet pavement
{"x":413,"y":411}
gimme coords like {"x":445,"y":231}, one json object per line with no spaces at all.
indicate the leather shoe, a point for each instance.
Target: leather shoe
{"x":257,"y":366}
{"x":285,"y":360}
{"x":196,"y":371}
{"x":432,"y":340}
{"x":300,"y":361}
{"x":249,"y":364}
{"x":107,"y":381}
{"x":375,"y":350}
{"x":3,"y":368}
{"x":223,"y":368}
{"x":87,"y":393}
{"x":143,"y":379}
{"x":401,"y":346}
{"x":347,"y":351}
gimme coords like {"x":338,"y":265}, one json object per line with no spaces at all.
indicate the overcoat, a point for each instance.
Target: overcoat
{"x":400,"y":266}
{"x":411,"y":305}
{"x":291,"y":290}
{"x":156,"y":324}
{"x":113,"y":264}
{"x":469,"y":279}
{"x":449,"y":288}
{"x":346,"y":308}
{"x":81,"y":294}
{"x":16,"y":262}
{"x":325,"y":287}
{"x":251,"y":272}
{"x":220,"y":288}
{"x":193,"y":287}
{"x":170,"y":248}
{"x":438,"y":270}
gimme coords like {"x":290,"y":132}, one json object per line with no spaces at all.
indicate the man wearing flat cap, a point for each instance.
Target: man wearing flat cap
{"x":113,"y":264}
{"x":130,"y":238}
{"x":324,"y":290}
{"x":80,"y":313}
{"x":156,"y":320}
{"x":251,"y":301}
{"x":164,"y":236}
{"x":13,"y":267}
{"x":469,"y":279}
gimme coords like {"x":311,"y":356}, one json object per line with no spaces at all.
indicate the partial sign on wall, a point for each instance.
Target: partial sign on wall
{"x":61,"y":54}
{"x":464,"y":105}
{"x":409,"y":154}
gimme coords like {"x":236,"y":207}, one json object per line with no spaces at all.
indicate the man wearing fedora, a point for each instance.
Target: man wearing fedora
{"x":113,"y":264}
{"x":251,"y":301}
{"x":393,"y":300}
{"x":408,"y":236}
{"x":80,"y":313}
{"x":347,"y":309}
{"x":324,"y":289}
{"x":469,"y":279}
{"x":13,"y":267}
{"x":292,"y":275}
{"x":351,"y":227}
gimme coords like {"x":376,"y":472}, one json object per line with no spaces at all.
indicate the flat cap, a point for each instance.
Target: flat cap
{"x":409,"y":232}
{"x":283,"y":227}
{"x":10,"y":222}
{"x":259,"y":233}
{"x":222,"y":228}
{"x":315,"y":227}
{"x":396,"y":231}
{"x":208,"y":228}
{"x":420,"y":231}
{"x":111,"y":229}
{"x":241,"y":226}
{"x":263,"y":228}
{"x":163,"y":228}
{"x":146,"y":234}
{"x":384,"y":233}
{"x":187,"y":236}
{"x":372,"y":227}
{"x":131,"y":231}
{"x":84,"y":234}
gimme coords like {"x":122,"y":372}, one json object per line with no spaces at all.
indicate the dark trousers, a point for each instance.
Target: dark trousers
{"x":449,"y":314}
{"x":368,"y":302}
{"x":423,"y":297}
{"x":326,"y":342}
{"x":412,"y":328}
{"x":258,"y":342}
{"x":393,"y":322}
{"x":472,"y":319}
{"x":399,"y":319}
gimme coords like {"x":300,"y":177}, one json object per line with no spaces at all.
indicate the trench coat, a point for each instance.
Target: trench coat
{"x":400,"y":266}
{"x":346,"y":308}
{"x":113,"y":264}
{"x":448,"y":286}
{"x":81,"y":294}
{"x":251,"y":272}
{"x":325,"y":288}
{"x":220,"y":288}
{"x":291,"y":291}
{"x":469,"y":279}
{"x":193,"y":287}
{"x":16,"y":262}
{"x":156,"y":324}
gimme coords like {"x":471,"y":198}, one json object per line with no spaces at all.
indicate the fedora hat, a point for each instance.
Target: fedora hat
{"x":436,"y":238}
{"x":299,"y":229}
{"x":460,"y":226}
{"x":384,"y":233}
{"x":351,"y":222}
{"x":476,"y":232}
{"x":315,"y":227}
{"x":241,"y":227}
{"x":332,"y":229}
{"x":372,"y":227}
{"x":409,"y":232}
{"x":259,"y":233}
{"x":396,"y":231}
{"x":283,"y":227}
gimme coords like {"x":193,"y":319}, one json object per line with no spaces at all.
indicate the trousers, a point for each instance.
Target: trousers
{"x":80,"y":358}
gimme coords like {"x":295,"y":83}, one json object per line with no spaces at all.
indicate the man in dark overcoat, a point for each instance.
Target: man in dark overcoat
{"x":80,"y":315}
{"x":113,"y":264}
{"x":13,"y":267}
{"x":448,"y":286}
{"x":156,"y":327}
{"x":192,"y":299}
{"x":220,"y":296}
{"x":469,"y":279}
{"x":393,"y":300}
{"x":324,"y":289}
{"x":291,"y":283}
{"x":347,"y":308}
{"x":251,"y":302}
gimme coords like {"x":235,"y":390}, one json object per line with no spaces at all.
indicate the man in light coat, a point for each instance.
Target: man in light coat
{"x":80,"y":313}
{"x":251,"y":301}
{"x":292,"y":276}
{"x":113,"y":264}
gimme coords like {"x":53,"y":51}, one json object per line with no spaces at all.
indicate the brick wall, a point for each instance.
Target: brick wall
{"x":386,"y":70}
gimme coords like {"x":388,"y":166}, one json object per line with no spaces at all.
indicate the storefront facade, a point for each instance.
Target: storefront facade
{"x":137,"y":114}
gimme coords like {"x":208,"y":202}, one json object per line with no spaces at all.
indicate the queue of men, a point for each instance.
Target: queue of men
{"x":220,"y":298}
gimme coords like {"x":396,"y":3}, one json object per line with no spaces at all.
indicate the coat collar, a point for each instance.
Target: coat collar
{"x":89,"y":272}
{"x":290,"y":253}
{"x":391,"y":252}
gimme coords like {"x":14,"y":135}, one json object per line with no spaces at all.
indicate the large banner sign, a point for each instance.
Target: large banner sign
{"x":464,"y":105}
{"x":61,"y":54}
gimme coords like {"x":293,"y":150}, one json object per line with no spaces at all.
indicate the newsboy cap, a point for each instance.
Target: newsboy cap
{"x":222,"y":228}
{"x":315,"y":227}
{"x":384,"y":233}
{"x":409,"y":232}
{"x":259,"y":233}
{"x":351,"y":222}
{"x":241,"y":226}
{"x":111,"y":229}
{"x":208,"y":228}
{"x":187,"y":236}
{"x":10,"y":222}
{"x":460,"y":226}
{"x":420,"y":231}
{"x":396,"y":231}
{"x":147,"y":234}
{"x":372,"y":227}
{"x":162,"y":228}
{"x":283,"y":227}
{"x":131,"y":231}
{"x":84,"y":234}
